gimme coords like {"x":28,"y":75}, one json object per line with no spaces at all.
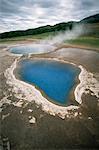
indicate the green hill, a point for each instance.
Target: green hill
{"x":91,"y":19}
{"x":40,"y":30}
{"x":91,"y":23}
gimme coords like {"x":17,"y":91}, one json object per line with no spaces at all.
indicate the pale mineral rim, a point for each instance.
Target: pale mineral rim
{"x":30,"y":93}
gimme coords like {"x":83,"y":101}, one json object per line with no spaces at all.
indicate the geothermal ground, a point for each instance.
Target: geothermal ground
{"x":30,"y":121}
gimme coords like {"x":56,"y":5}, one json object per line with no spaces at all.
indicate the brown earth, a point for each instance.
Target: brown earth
{"x":49,"y":132}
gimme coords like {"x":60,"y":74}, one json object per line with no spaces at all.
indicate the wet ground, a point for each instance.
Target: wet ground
{"x":49,"y":132}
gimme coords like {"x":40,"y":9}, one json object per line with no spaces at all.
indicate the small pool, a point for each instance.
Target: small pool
{"x":32,"y":48}
{"x":55,"y":79}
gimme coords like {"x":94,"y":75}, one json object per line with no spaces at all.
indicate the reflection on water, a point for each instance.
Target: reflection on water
{"x":32,"y":48}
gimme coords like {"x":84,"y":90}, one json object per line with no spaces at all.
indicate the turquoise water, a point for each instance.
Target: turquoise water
{"x":55,"y":79}
{"x":32,"y":48}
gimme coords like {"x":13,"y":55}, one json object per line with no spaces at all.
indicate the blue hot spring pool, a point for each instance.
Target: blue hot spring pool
{"x":55,"y":79}
{"x":32,"y":48}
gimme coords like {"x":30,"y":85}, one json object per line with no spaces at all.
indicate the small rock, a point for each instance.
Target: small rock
{"x":32,"y":120}
{"x":30,"y":110}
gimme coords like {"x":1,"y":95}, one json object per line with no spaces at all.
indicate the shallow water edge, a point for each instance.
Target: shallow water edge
{"x":32,"y":94}
{"x":54,"y":79}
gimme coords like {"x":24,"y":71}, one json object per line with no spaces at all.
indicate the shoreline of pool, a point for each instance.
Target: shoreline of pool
{"x":71,"y":99}
{"x":32,"y":94}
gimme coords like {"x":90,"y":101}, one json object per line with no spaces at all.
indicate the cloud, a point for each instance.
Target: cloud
{"x":20,"y":15}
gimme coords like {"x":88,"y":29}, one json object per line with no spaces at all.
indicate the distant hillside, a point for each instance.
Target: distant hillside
{"x":91,"y":19}
{"x":46,"y":29}
{"x":40,"y":30}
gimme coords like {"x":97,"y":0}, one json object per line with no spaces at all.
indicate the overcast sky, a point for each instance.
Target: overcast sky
{"x":24,"y":14}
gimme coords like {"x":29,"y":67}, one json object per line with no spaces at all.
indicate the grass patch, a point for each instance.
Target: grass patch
{"x":28,"y":37}
{"x":85,"y":41}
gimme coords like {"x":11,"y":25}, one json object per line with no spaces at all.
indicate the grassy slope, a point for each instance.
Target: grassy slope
{"x":29,"y":37}
{"x":86,"y":41}
{"x":90,"y":41}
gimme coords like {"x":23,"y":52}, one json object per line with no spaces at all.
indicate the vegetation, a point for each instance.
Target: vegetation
{"x":91,"y":19}
{"x":85,"y":41}
{"x":40,"y":30}
{"x":89,"y":39}
{"x":28,"y":37}
{"x":49,"y":29}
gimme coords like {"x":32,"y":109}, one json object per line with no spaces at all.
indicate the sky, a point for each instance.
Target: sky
{"x":25,"y":14}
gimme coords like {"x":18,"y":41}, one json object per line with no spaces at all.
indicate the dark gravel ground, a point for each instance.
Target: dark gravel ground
{"x":49,"y":132}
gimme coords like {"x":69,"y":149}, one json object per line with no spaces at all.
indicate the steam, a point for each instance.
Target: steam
{"x":61,"y":37}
